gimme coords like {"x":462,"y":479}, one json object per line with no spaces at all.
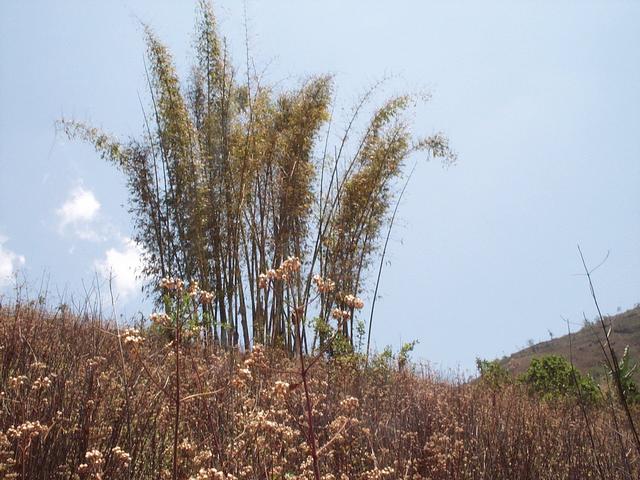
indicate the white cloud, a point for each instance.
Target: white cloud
{"x":124,"y":267}
{"x":9,"y":263}
{"x":77,"y":212}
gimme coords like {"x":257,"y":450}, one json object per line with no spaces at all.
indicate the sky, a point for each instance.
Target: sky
{"x":541,"y":101}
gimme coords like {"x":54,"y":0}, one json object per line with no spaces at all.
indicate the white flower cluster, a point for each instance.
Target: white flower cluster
{"x":131,"y":336}
{"x":172,"y":284}
{"x":17,"y":381}
{"x":324,"y":285}
{"x":26,"y":431}
{"x":212,"y":474}
{"x":160,"y":319}
{"x":93,"y":466}
{"x":176,"y":285}
{"x":202,"y":296}
{"x":340,"y":314}
{"x":353,"y":302}
{"x":280,"y":389}
{"x":42,"y":383}
{"x":349,"y":404}
{"x":284,"y":272}
{"x":121,"y":457}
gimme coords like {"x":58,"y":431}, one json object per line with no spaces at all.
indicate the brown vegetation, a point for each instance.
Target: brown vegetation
{"x":587,"y":353}
{"x":233,"y":191}
{"x":80,"y":400}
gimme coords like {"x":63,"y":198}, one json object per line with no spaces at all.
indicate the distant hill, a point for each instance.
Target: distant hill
{"x":587,"y":354}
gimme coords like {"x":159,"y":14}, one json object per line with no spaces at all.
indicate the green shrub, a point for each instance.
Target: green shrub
{"x":554,"y":377}
{"x":404,"y":353}
{"x":629,"y":386}
{"x":493,"y":373}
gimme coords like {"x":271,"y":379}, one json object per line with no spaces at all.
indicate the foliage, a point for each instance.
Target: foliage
{"x":554,"y":377}
{"x":629,"y":386}
{"x":232,"y":178}
{"x":85,"y":400}
{"x":493,"y":373}
{"x":405,"y":352}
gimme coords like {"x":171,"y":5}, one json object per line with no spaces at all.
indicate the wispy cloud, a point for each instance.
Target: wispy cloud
{"x":9,"y":263}
{"x":78,"y":213}
{"x":124,"y":267}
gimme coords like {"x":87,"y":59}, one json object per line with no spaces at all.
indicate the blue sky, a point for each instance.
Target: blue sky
{"x":541,"y":100}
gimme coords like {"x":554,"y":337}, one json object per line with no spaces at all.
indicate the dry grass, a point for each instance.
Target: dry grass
{"x":80,"y":401}
{"x":586,"y":348}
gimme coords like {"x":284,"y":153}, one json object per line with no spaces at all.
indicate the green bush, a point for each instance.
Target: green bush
{"x":554,"y":377}
{"x":629,"y":386}
{"x":493,"y":372}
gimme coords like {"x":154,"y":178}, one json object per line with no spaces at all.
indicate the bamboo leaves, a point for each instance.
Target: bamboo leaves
{"x":224,"y":182}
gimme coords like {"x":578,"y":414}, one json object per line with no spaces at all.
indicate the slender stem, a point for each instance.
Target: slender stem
{"x":581,"y":402}
{"x":382,"y":257}
{"x":177,"y":396}
{"x":125,"y":382}
{"x":616,"y":367}
{"x":297,"y":320}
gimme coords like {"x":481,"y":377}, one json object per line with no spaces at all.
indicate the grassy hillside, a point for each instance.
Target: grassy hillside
{"x":587,"y":354}
{"x":82,"y":400}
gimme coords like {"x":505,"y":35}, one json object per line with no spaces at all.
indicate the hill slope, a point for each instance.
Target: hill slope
{"x":81,"y":399}
{"x":587,"y":354}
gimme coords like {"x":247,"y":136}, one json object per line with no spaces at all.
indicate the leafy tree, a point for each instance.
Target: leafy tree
{"x":493,"y":372}
{"x":554,"y":377}
{"x":232,"y":177}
